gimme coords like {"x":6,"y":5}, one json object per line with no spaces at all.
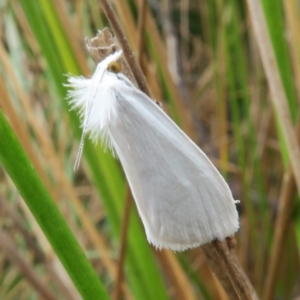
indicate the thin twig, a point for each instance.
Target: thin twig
{"x":128,"y":54}
{"x":124,"y":233}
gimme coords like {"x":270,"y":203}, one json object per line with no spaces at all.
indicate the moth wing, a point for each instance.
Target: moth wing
{"x":181,"y":197}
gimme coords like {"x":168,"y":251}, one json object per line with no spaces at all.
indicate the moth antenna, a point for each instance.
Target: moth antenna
{"x":79,"y":153}
{"x":81,"y":145}
{"x":88,"y":107}
{"x":114,"y":67}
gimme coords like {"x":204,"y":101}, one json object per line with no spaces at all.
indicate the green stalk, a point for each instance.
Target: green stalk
{"x":46,"y":213}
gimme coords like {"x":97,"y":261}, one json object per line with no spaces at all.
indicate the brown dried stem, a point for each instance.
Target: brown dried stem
{"x":124,"y":233}
{"x":285,"y":209}
{"x":120,"y":35}
{"x":227,"y":269}
{"x":179,"y":281}
{"x":141,"y":27}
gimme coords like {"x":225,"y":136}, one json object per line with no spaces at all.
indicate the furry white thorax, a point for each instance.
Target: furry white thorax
{"x":181,"y":197}
{"x":95,"y":112}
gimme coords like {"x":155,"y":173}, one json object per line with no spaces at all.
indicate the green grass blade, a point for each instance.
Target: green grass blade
{"x":276,"y":24}
{"x":46,"y":213}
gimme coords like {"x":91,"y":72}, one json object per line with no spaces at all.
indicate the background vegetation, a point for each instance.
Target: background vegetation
{"x":204,"y":60}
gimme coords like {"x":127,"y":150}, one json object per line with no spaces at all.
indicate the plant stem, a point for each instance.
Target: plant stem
{"x":120,"y":35}
{"x":226,"y":267}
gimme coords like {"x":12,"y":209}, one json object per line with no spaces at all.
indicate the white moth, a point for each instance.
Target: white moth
{"x":181,"y":197}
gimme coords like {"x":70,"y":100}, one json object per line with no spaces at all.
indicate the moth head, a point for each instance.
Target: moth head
{"x":114,"y":67}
